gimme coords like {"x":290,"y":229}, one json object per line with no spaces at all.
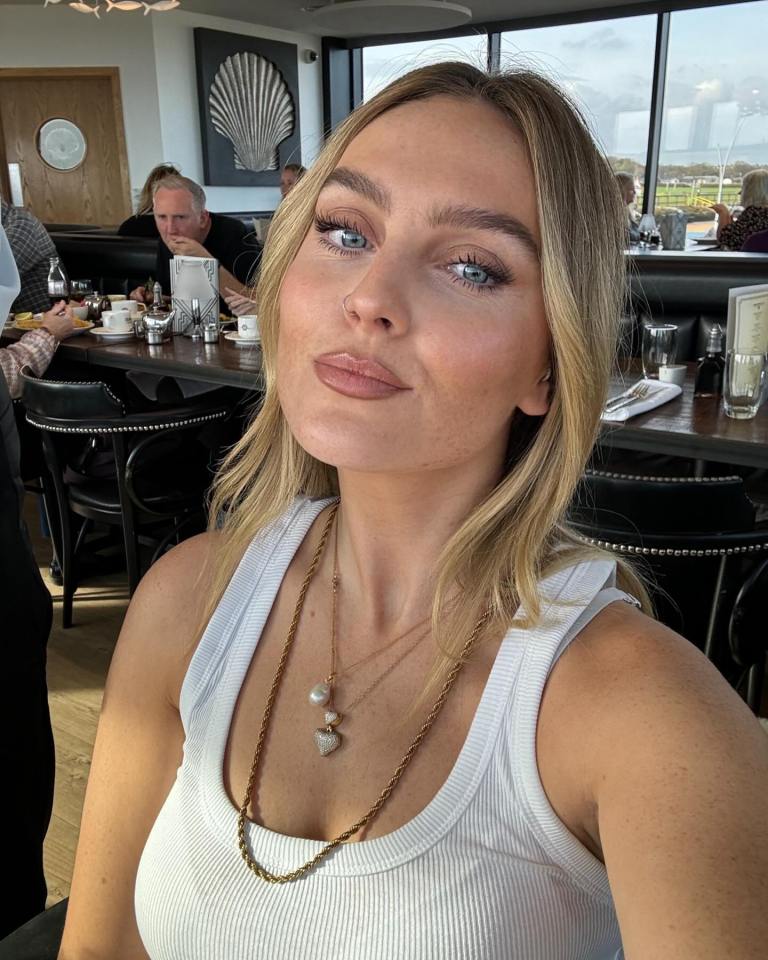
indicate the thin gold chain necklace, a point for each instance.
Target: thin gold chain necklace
{"x":242,"y":818}
{"x":327,"y":738}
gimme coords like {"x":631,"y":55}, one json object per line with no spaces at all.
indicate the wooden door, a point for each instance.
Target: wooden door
{"x":97,"y":189}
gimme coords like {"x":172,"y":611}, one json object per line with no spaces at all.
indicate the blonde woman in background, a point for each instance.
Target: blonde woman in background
{"x":142,"y":223}
{"x":733,"y":233}
{"x":403,"y":712}
{"x":628,"y":191}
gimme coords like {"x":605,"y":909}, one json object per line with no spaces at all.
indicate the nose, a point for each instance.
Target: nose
{"x":379,"y":300}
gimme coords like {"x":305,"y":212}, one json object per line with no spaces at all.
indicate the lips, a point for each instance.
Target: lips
{"x":359,"y":377}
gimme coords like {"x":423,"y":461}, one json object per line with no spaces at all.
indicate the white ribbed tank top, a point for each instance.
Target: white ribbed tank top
{"x":485,"y":871}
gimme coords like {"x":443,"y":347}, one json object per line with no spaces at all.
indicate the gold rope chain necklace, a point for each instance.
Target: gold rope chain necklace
{"x":242,"y":818}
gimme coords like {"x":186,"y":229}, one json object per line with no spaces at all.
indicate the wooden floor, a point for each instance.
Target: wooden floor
{"x":78,"y":660}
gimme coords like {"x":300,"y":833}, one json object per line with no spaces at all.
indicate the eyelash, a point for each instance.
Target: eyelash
{"x":325,"y":225}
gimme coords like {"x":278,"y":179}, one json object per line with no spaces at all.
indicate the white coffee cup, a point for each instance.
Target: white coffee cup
{"x":118,"y":321}
{"x":131,"y":307}
{"x":248,"y":327}
{"x":673,"y":373}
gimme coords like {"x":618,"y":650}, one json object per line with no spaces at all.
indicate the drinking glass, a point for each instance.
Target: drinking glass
{"x":79,"y":290}
{"x":743,"y":385}
{"x":659,"y":347}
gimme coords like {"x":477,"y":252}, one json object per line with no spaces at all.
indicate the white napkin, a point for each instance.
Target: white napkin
{"x":658,"y":393}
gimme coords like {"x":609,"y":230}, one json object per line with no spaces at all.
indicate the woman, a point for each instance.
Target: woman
{"x":628,"y":191}
{"x":731,"y":233}
{"x":437,"y":344}
{"x":142,"y":223}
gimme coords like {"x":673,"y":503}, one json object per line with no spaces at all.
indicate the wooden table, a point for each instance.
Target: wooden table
{"x":698,"y":429}
{"x":224,"y":363}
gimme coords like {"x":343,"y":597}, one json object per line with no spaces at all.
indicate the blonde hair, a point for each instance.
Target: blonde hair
{"x":154,"y":176}
{"x":754,"y":189}
{"x":517,"y":534}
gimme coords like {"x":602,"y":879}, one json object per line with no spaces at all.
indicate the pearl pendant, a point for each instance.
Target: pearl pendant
{"x":320,"y":694}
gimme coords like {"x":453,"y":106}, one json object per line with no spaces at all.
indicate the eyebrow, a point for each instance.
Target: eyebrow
{"x":470,"y":218}
{"x":478,"y":219}
{"x":359,"y":183}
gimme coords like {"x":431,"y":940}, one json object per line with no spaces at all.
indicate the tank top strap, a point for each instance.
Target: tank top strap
{"x":235,"y":626}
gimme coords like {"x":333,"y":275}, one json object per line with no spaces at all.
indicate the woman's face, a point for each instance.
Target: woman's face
{"x":412,"y":321}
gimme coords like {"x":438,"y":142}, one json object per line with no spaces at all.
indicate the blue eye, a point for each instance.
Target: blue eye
{"x":473,"y":273}
{"x":340,"y":236}
{"x":350,"y":239}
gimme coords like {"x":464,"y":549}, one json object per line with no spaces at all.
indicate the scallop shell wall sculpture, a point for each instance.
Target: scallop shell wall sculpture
{"x":252,"y":107}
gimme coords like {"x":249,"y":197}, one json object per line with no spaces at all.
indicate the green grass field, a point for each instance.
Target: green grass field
{"x":699,"y":200}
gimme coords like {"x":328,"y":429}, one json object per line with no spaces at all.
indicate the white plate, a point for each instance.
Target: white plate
{"x":112,"y":334}
{"x":243,"y":341}
{"x":38,"y":316}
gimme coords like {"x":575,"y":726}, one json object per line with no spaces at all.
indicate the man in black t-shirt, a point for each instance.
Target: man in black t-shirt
{"x":187,"y":229}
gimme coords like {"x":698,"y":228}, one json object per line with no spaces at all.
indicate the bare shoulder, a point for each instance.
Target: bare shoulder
{"x":165,"y":615}
{"x":633,"y":676}
{"x":660,"y":769}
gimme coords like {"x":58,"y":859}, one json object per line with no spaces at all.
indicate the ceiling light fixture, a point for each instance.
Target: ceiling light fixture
{"x":124,"y":6}
{"x":370,"y":17}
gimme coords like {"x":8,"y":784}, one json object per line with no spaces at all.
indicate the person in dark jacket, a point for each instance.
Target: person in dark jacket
{"x":26,"y":739}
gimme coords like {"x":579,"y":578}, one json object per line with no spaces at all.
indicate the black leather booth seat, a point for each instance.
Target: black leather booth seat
{"x":114,"y":264}
{"x":689,"y":290}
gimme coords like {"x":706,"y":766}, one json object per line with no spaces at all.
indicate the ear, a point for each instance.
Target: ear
{"x":536,"y":402}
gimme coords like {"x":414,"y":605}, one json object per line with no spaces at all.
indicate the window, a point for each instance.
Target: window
{"x":715,"y":119}
{"x":607,"y":68}
{"x":383,"y":64}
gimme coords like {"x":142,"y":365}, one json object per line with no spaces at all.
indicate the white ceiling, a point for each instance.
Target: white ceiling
{"x":288,"y":14}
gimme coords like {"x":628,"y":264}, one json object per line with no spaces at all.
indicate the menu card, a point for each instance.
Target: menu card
{"x":194,"y":278}
{"x":747,"y":330}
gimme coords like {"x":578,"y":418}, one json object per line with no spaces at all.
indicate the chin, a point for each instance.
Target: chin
{"x":350,"y":447}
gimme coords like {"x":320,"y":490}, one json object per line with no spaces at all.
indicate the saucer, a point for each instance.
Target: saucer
{"x":243,"y":341}
{"x":112,"y":334}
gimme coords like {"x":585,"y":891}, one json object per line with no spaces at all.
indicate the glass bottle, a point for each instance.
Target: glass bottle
{"x":58,"y":281}
{"x":709,"y":372}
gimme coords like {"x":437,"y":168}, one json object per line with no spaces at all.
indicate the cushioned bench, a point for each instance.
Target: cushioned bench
{"x":689,"y":290}
{"x":114,"y":264}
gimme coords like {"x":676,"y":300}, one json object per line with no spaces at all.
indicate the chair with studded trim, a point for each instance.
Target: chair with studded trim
{"x":159,"y":468}
{"x":707,"y":565}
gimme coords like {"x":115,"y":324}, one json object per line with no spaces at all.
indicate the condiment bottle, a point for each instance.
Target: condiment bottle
{"x":58,"y":281}
{"x":709,"y":372}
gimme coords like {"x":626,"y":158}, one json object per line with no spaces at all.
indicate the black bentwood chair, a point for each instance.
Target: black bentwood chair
{"x":696,"y":542}
{"x":144,"y":473}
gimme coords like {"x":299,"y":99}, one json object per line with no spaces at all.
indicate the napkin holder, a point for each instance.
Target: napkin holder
{"x":194,"y":278}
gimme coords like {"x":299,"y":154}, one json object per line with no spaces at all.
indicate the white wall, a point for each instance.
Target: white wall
{"x":156,"y":58}
{"x":54,"y":37}
{"x":179,"y":111}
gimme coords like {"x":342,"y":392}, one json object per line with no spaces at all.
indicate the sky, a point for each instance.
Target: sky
{"x":717,"y":77}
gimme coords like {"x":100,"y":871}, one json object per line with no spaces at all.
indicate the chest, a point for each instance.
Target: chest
{"x":299,"y":792}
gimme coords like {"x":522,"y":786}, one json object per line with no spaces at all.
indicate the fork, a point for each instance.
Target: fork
{"x":628,"y":394}
{"x":640,"y":392}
